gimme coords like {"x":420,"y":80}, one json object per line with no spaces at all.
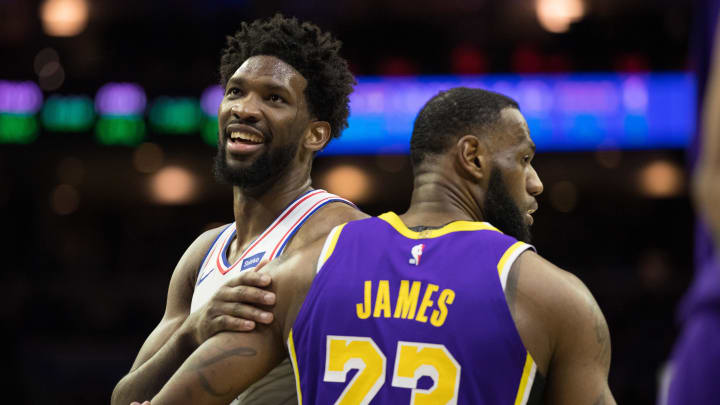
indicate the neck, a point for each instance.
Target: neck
{"x":438,"y":200}
{"x":255,"y":209}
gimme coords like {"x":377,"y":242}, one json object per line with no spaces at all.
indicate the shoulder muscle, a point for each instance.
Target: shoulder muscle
{"x":568,"y":330}
{"x":323,"y":221}
{"x":183,"y":279}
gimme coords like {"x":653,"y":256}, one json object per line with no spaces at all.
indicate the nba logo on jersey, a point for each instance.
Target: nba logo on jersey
{"x":416,"y":253}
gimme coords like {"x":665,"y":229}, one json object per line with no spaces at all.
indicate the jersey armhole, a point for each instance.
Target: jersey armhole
{"x":209,"y":249}
{"x":329,"y":246}
{"x":508,"y":258}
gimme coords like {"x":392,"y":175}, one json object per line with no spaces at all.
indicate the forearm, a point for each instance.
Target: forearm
{"x":146,"y":380}
{"x":221,"y":368}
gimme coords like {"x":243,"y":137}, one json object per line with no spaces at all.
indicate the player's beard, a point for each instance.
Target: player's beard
{"x":268,"y":166}
{"x":502,"y":212}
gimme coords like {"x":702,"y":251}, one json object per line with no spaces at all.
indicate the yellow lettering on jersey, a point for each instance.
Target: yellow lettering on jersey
{"x":426,"y":302}
{"x":382,"y":303}
{"x":379,"y":302}
{"x":415,"y":360}
{"x":439,"y":315}
{"x":363,"y":310}
{"x":407,"y":300}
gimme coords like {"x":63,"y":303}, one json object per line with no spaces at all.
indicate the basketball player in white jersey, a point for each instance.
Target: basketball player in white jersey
{"x":286,"y":96}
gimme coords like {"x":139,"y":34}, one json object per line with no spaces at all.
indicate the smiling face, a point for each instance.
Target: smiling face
{"x":261,"y":121}
{"x":514,"y":183}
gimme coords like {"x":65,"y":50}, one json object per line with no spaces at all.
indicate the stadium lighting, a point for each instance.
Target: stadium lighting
{"x":557,"y":15}
{"x":64,"y":18}
{"x":173,"y":185}
{"x":662,"y":179}
{"x":349,"y":182}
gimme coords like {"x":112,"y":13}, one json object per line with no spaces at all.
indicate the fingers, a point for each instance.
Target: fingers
{"x":262,"y":264}
{"x":246,"y":294}
{"x":229,"y":323}
{"x":246,"y":312}
{"x":251,"y":278}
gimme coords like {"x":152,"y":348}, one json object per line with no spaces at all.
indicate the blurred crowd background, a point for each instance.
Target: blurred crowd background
{"x":97,"y":208}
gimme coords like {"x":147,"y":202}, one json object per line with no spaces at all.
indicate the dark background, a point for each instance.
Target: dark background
{"x":82,"y":289}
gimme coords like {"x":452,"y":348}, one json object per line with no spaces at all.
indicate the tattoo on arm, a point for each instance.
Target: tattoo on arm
{"x":602,"y":335}
{"x":203,"y":364}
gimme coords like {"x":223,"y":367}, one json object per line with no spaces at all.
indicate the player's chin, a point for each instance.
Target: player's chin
{"x":238,"y":161}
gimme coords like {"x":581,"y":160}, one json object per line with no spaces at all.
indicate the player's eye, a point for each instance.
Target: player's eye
{"x":233,"y":91}
{"x":275,"y":98}
{"x":527,"y":158}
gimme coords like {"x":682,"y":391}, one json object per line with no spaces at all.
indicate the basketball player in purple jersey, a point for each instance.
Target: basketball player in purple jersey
{"x":436,"y":306}
{"x":693,"y":369}
{"x":286,"y":96}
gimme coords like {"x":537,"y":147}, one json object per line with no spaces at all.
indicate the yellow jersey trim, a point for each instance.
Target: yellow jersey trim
{"x":329,"y":245}
{"x":456,"y":226}
{"x":526,"y":381}
{"x":293,"y":360}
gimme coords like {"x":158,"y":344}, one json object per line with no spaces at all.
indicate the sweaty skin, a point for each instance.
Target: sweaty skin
{"x":264,"y":96}
{"x":557,"y":318}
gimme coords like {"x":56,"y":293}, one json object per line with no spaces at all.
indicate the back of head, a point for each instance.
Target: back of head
{"x":451,"y":114}
{"x":305,"y":47}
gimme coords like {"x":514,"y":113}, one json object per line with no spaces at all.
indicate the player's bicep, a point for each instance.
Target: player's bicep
{"x":222,"y":368}
{"x":179,"y":297}
{"x":581,"y":361}
{"x":292,"y":276}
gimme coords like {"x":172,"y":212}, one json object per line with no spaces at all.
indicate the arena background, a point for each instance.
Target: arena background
{"x":98,"y":204}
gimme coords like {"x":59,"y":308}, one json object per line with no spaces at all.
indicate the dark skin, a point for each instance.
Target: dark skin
{"x":557,"y":318}
{"x":264,"y":96}
{"x":706,"y":187}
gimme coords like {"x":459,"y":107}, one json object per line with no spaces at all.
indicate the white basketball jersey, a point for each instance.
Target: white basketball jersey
{"x":278,"y":387}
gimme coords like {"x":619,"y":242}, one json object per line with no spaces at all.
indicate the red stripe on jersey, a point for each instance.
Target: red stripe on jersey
{"x":266,"y":233}
{"x":296,"y":222}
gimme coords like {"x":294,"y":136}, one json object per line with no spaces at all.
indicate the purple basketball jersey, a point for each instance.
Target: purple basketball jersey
{"x":695,"y":358}
{"x":397,"y":317}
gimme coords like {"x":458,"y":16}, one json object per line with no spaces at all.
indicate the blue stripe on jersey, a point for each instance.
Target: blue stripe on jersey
{"x":282,"y":248}
{"x":210,"y":248}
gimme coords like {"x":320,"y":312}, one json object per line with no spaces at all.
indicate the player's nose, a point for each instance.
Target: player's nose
{"x":534,"y":185}
{"x":246,"y":109}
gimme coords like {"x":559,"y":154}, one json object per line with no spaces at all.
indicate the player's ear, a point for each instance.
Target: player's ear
{"x":317,"y":135}
{"x":472,"y":157}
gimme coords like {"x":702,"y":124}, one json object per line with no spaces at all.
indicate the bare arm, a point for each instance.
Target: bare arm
{"x":164,"y":346}
{"x":575,"y":346}
{"x":179,"y":333}
{"x":226,"y":364}
{"x":223,"y":367}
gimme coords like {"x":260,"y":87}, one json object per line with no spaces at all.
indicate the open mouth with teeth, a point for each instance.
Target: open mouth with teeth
{"x":245,"y":137}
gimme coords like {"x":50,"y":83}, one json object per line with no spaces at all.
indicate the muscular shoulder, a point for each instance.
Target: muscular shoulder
{"x":183,"y":279}
{"x":550,"y":284}
{"x":323,"y":221}
{"x":292,"y":274}
{"x":554,"y":311}
{"x":195,"y":253}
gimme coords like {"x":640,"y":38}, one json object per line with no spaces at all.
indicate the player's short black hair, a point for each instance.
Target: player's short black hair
{"x":305,"y":47}
{"x":451,"y":114}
